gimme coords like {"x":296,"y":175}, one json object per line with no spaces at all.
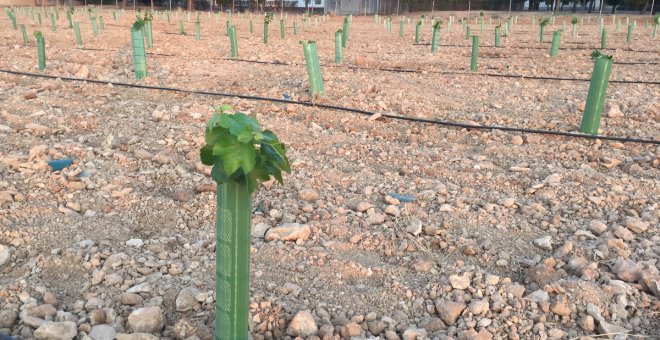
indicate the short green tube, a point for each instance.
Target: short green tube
{"x":434,"y":41}
{"x":149,"y":33}
{"x":618,"y":25}
{"x":12,"y":16}
{"x":295,"y":28}
{"x":344,"y":33}
{"x":541,"y":32}
{"x":265,"y":32}
{"x":41,"y":50}
{"x":554,"y":48}
{"x":418,"y":28}
{"x":76,"y":28}
{"x":233,"y":42}
{"x":24,"y":34}
{"x":39,"y":17}
{"x":52,"y":22}
{"x":475,"y":53}
{"x":95,"y":27}
{"x":232,"y":258}
{"x":573,"y":30}
{"x":251,"y":28}
{"x":467,"y":32}
{"x":603,"y":39}
{"x":655,"y":30}
{"x":309,"y":61}
{"x":139,"y":54}
{"x":596,"y":96}
{"x":401,"y":28}
{"x":181,"y":31}
{"x":498,"y":38}
{"x":198,"y":30}
{"x":282,"y":34}
{"x":68,"y":16}
{"x":101,"y":23}
{"x":339,"y":53}
{"x":629,"y":34}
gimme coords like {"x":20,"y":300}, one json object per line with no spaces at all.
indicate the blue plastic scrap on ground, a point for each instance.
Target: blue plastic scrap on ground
{"x":60,"y":164}
{"x":402,"y":198}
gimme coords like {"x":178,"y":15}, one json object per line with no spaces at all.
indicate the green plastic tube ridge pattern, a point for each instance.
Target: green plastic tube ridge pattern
{"x":554,"y":48}
{"x":475,"y":53}
{"x":41,"y":50}
{"x":232,"y":274}
{"x":233,"y":42}
{"x":435,"y":38}
{"x":596,"y":95}
{"x":339,"y":53}
{"x":139,"y":55}
{"x":313,"y":68}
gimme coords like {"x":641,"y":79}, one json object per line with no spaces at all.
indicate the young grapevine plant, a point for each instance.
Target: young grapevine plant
{"x":240,"y":151}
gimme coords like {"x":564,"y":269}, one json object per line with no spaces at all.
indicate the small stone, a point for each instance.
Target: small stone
{"x":146,"y":320}
{"x":392,"y":210}
{"x":376,"y":219}
{"x":288,"y":232}
{"x":553,"y":179}
{"x":141,"y":288}
{"x":516,"y":140}
{"x":561,"y":306}
{"x":414,"y":227}
{"x":544,"y":242}
{"x":142,"y":154}
{"x":556,"y":334}
{"x":611,"y":330}
{"x":479,"y":306}
{"x":587,"y":323}
{"x":459,"y":282}
{"x":135,"y":242}
{"x":103,"y":332}
{"x":96,"y":317}
{"x":8,"y":318}
{"x":83,"y":72}
{"x":636,"y":225}
{"x":302,"y":324}
{"x":623,"y":233}
{"x":627,"y":270}
{"x":614,"y":111}
{"x":449,"y":311}
{"x":56,"y":331}
{"x":43,"y":311}
{"x":597,"y":227}
{"x":259,"y":230}
{"x":350,"y":330}
{"x":391,"y":200}
{"x":364,"y":206}
{"x":186,"y":299}
{"x":136,"y":336}
{"x":130,"y":299}
{"x":308,"y":195}
{"x":414,"y":334}
{"x":538,"y":296}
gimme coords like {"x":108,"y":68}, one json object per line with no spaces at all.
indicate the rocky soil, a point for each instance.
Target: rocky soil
{"x":384,"y":230}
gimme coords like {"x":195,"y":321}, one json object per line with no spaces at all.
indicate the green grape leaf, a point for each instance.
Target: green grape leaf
{"x":206,"y":154}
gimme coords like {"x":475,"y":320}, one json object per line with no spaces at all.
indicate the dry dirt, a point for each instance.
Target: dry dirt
{"x":557,"y":236}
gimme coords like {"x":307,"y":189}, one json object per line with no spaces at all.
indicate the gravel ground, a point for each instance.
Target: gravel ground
{"x":508,"y":235}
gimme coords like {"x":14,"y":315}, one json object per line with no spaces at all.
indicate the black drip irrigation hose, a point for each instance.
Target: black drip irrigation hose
{"x":540,"y":47}
{"x":345,"y":109}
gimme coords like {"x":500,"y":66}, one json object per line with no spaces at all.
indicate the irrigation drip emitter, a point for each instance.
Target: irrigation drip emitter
{"x":340,"y":108}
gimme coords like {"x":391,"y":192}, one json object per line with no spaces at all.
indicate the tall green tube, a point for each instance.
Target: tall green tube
{"x":139,"y":55}
{"x":596,"y":97}
{"x":313,"y":68}
{"x":24,"y":34}
{"x":317,"y":69}
{"x":655,"y":30}
{"x":52,"y":22}
{"x":344,"y":33}
{"x":76,"y":28}
{"x":149,"y":33}
{"x":265,"y":32}
{"x":401,"y":28}
{"x":618,"y":25}
{"x":629,"y":35}
{"x":339,"y":53}
{"x":282,"y":34}
{"x":467,"y":32}
{"x":228,"y":25}
{"x":554,"y":48}
{"x":498,"y":37}
{"x":573,"y":30}
{"x":251,"y":29}
{"x":475,"y":53}
{"x":232,"y":272}
{"x":41,"y":50}
{"x":418,"y":28}
{"x":198,"y":30}
{"x":95,"y":27}
{"x":39,"y":17}
{"x":434,"y":41}
{"x":181,"y":31}
{"x":68,"y":16}
{"x":12,"y":16}
{"x":233,"y":42}
{"x":295,"y":28}
{"x":101,"y":23}
{"x":603,"y":39}
{"x":541,"y":32}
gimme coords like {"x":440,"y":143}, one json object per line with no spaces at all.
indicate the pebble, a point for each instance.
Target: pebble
{"x":5,"y":255}
{"x":146,"y":320}
{"x":186,"y":300}
{"x":288,"y":232}
{"x":449,"y":311}
{"x":414,"y":227}
{"x":103,"y":332}
{"x":597,"y":227}
{"x":544,"y":242}
{"x":56,"y":331}
{"x":302,"y":324}
{"x":308,"y":195}
{"x":459,"y":282}
{"x":627,"y":270}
